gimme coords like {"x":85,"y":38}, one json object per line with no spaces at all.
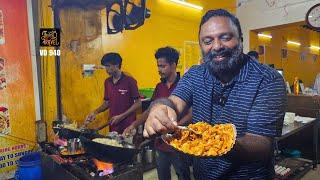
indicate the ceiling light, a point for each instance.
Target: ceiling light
{"x":293,"y":42}
{"x":315,"y":47}
{"x":264,"y":35}
{"x":187,"y":4}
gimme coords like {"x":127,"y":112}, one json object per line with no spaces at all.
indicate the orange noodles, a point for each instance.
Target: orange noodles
{"x":216,"y":139}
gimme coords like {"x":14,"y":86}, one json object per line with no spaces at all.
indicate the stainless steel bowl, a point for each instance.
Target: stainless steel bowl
{"x":149,"y":157}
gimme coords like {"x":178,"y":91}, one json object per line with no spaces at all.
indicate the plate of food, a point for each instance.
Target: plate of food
{"x":208,"y":141}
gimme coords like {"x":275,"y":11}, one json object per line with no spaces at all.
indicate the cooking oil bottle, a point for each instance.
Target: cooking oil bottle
{"x":296,"y":87}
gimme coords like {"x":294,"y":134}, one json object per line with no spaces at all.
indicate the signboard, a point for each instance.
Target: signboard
{"x":17,"y":103}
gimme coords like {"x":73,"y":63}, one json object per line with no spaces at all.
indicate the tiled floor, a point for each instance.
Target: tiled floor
{"x":152,"y":175}
{"x":312,"y":175}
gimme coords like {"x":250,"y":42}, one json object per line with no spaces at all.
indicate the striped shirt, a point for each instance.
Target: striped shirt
{"x":254,"y":102}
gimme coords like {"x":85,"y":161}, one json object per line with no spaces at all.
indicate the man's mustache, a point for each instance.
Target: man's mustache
{"x":225,"y":52}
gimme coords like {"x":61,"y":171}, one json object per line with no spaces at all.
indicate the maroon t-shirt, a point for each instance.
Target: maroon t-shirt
{"x":121,"y":96}
{"x":162,"y":91}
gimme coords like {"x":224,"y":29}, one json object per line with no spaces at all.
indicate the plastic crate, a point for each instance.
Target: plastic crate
{"x":147,"y":92}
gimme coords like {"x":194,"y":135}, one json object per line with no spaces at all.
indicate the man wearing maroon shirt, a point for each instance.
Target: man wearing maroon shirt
{"x":121,"y":95}
{"x":167,"y":60}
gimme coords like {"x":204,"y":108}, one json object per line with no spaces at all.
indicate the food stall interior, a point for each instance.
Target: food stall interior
{"x":85,"y":158}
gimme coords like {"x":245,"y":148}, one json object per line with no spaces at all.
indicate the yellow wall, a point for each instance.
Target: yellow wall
{"x":293,"y":66}
{"x":169,"y":24}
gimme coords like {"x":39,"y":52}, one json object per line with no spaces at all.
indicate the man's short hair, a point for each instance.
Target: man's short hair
{"x":222,"y":13}
{"x":254,"y":54}
{"x":170,"y":54}
{"x":111,"y":58}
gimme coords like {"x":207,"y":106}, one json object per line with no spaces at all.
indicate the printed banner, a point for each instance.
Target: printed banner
{"x":9,"y":157}
{"x":17,"y":104}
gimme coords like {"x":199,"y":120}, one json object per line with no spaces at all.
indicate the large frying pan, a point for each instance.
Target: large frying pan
{"x":108,"y":153}
{"x":70,"y":134}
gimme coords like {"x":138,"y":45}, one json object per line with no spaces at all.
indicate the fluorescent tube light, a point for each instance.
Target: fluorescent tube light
{"x":315,"y":47}
{"x":293,"y":42}
{"x":187,"y":4}
{"x":264,"y":35}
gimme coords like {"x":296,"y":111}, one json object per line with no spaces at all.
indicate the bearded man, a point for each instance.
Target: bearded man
{"x":228,"y":87}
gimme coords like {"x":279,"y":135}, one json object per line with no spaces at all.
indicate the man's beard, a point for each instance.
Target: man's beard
{"x":163,"y":80}
{"x":163,"y":77}
{"x":226,"y":69}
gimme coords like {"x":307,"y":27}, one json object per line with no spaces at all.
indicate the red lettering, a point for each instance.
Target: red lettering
{"x":3,"y":150}
{"x":13,"y":148}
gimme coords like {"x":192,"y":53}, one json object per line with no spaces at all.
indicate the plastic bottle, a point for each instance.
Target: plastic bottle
{"x":296,"y":87}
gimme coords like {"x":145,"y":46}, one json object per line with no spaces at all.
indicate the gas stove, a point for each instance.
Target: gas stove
{"x":88,"y":167}
{"x":88,"y":170}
